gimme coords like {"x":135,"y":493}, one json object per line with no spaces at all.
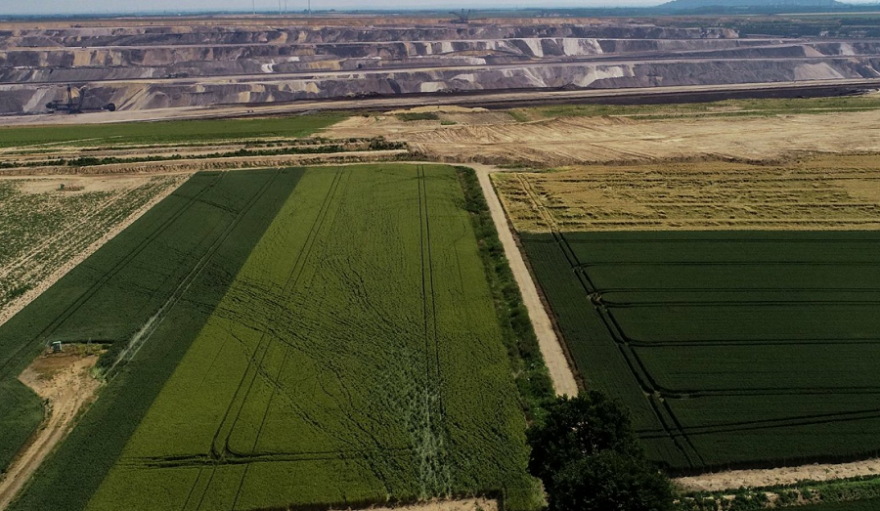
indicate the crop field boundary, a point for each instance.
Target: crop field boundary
{"x":264,"y":366}
{"x":84,"y":443}
{"x":11,"y":308}
{"x":618,"y":310}
{"x":528,"y":299}
{"x":97,"y":284}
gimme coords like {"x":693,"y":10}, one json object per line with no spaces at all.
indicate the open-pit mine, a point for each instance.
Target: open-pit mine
{"x":131,"y":64}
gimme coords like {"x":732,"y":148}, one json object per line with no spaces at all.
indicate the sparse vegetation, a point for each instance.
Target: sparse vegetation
{"x":730,"y":108}
{"x":418,"y":116}
{"x":42,"y":230}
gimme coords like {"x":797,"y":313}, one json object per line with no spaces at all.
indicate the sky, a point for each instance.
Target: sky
{"x":24,"y":7}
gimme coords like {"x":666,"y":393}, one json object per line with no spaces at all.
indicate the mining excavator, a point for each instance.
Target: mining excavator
{"x":77,"y":106}
{"x":461,"y":18}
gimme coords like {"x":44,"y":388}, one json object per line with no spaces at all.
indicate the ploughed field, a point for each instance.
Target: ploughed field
{"x":731,"y":349}
{"x":295,"y":337}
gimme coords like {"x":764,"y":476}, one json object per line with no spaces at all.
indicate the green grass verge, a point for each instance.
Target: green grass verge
{"x":532,"y":376}
{"x":418,"y":116}
{"x":167,"y":131}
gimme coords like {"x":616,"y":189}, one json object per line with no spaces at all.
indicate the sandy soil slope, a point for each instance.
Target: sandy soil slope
{"x":577,"y":140}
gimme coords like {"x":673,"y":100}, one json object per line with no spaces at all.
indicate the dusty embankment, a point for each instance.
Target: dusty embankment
{"x":573,"y":140}
{"x":64,"y":382}
{"x":788,"y":476}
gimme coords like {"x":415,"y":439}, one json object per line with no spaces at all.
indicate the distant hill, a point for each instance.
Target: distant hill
{"x":761,"y":5}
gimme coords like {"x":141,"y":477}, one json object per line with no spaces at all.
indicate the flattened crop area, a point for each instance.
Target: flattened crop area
{"x":825,"y":192}
{"x":731,"y":349}
{"x":356,"y":358}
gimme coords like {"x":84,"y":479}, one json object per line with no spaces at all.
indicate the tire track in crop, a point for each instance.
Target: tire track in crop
{"x":252,"y":362}
{"x":579,"y":270}
{"x":649,"y":385}
{"x":786,"y":422}
{"x":147,"y":331}
{"x":109,"y":274}
{"x":431,"y":447}
{"x":258,"y":356}
{"x":293,"y":283}
{"x":299,"y":267}
{"x":662,"y":412}
{"x":753,"y":342}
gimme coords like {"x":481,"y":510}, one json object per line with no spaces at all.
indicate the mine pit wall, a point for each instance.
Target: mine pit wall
{"x":77,"y":65}
{"x":28,"y":66}
{"x":162,"y":36}
{"x":18,"y":99}
{"x":202,"y":65}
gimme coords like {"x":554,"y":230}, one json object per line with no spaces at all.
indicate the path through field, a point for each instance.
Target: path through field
{"x":551,"y":347}
{"x":786,"y":476}
{"x":64,"y":382}
{"x":479,"y":504}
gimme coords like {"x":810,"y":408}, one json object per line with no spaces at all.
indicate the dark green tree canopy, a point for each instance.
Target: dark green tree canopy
{"x":610,"y":481}
{"x":590,"y":460}
{"x":578,"y":427}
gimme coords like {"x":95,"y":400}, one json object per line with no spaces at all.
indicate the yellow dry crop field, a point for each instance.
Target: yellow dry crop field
{"x":817,"y":193}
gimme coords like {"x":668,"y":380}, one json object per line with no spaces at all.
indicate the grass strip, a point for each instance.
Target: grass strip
{"x":530,"y":373}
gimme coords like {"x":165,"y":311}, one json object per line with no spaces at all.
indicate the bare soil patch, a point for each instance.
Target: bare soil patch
{"x":577,"y":140}
{"x":778,"y":476}
{"x":64,"y":382}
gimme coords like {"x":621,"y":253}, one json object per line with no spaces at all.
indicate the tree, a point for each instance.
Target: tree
{"x":610,"y":481}
{"x":586,"y":453}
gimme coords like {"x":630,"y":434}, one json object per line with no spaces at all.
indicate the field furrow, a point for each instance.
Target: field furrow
{"x":753,"y":349}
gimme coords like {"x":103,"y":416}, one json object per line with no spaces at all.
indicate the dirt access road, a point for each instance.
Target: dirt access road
{"x":64,"y":382}
{"x":554,"y":356}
